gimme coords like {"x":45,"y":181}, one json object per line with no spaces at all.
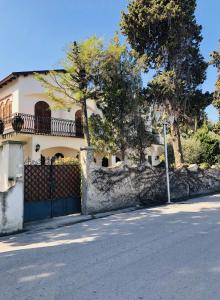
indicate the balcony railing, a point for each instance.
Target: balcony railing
{"x":30,"y":124}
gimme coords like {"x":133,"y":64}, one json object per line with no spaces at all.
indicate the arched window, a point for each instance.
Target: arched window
{"x":6,"y":110}
{"x":10,"y":108}
{"x":1,"y":110}
{"x":105,"y":162}
{"x":79,"y":123}
{"x":42,"y":114}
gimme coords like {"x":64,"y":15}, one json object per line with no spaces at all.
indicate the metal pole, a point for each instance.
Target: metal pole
{"x":166,"y":162}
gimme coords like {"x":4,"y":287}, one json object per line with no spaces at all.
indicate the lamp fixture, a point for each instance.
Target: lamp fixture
{"x":37,"y":148}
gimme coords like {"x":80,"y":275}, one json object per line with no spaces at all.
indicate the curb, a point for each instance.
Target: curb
{"x":71,"y":220}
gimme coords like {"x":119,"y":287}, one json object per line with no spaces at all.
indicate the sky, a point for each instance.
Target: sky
{"x":35,"y":34}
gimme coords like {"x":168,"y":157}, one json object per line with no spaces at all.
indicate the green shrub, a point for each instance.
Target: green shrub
{"x":192,"y":150}
{"x":67,"y":161}
{"x":202,"y":147}
{"x":209,"y":144}
{"x":204,"y":166}
{"x":210,"y":151}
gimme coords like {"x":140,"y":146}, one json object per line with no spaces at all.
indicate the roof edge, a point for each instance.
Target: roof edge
{"x":15,"y":75}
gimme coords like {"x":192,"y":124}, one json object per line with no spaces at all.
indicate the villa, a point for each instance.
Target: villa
{"x":26,"y":116}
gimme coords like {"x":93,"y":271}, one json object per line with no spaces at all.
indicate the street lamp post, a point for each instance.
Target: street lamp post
{"x":166,"y":161}
{"x":166,"y":120}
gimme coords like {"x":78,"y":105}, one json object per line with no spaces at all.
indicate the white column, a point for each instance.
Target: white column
{"x":112,"y":160}
{"x":35,"y":155}
{"x":86,"y":160}
{"x":11,"y":187}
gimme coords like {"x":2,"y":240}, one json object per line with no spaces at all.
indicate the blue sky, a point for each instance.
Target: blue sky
{"x":34,"y":34}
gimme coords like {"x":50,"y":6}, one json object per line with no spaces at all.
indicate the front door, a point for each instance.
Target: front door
{"x":42,"y":117}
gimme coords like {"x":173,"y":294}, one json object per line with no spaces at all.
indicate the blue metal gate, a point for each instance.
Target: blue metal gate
{"x":51,"y":191}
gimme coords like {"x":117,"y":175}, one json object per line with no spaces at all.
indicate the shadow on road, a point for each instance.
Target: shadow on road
{"x":149,"y":243}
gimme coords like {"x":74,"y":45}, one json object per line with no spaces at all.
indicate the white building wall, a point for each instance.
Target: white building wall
{"x":11,"y":91}
{"x":31,"y":91}
{"x":11,"y":187}
{"x":55,"y":144}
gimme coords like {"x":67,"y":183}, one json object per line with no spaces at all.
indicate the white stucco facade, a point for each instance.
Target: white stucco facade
{"x":11,"y":187}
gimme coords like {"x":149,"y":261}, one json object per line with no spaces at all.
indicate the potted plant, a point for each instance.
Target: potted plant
{"x":17,"y":123}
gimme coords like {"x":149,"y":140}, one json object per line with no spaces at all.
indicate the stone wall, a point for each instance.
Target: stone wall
{"x":123,"y":186}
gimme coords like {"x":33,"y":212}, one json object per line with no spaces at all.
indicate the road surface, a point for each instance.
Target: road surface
{"x":170,"y":252}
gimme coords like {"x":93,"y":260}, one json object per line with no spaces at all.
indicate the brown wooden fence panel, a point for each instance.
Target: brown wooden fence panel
{"x":66,"y":181}
{"x":37,"y":183}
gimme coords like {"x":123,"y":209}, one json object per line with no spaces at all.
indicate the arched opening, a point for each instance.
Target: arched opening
{"x":117,"y":159}
{"x":62,"y":152}
{"x":105,"y":162}
{"x":56,"y":157}
{"x":1,"y":110}
{"x":79,"y":123}
{"x":42,"y":114}
{"x":7,"y":110}
{"x":59,"y":155}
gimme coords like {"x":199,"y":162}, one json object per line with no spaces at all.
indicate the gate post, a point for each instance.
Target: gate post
{"x":11,"y":187}
{"x":87,"y":160}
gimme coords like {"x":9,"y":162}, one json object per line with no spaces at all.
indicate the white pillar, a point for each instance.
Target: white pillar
{"x":112,"y":160}
{"x":11,"y":187}
{"x":35,"y":155}
{"x":99,"y":160}
{"x":86,"y":160}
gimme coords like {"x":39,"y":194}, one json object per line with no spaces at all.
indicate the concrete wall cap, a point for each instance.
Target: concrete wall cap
{"x":89,"y":148}
{"x":13,"y":143}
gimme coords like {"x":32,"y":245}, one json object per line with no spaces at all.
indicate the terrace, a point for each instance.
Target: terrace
{"x":30,"y":124}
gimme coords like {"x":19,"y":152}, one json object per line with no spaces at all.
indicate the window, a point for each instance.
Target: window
{"x":1,"y":110}
{"x":42,"y":114}
{"x":79,"y":123}
{"x":5,"y":109}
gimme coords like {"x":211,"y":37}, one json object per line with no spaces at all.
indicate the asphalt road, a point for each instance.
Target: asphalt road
{"x":167,"y":253}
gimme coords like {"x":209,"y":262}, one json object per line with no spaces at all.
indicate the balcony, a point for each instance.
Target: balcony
{"x":29,"y":124}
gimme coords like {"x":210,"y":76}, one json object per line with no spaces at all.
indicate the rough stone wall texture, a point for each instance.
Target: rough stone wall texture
{"x":11,"y":209}
{"x":124,"y":186}
{"x":11,"y":187}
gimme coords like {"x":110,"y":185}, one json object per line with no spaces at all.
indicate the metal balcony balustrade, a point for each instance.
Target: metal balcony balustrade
{"x":30,"y":124}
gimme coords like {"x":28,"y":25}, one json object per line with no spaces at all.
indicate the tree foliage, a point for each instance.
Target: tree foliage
{"x":202,"y":147}
{"x":192,"y":150}
{"x":167,"y":37}
{"x":122,"y":126}
{"x":195,"y":113}
{"x":79,"y":81}
{"x":215,"y":61}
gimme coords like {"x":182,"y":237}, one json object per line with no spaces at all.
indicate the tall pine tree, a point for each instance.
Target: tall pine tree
{"x":166,"y":35}
{"x":215,"y":61}
{"x":79,"y":82}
